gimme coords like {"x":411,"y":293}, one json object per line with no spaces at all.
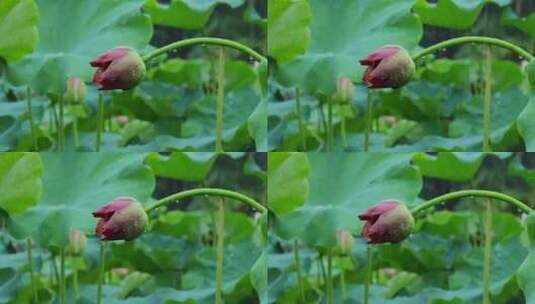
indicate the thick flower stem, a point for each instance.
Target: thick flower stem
{"x":472,"y":193}
{"x":61,"y":124}
{"x":220,"y":102}
{"x":343,"y":131}
{"x":75,"y":132}
{"x":369,"y":115}
{"x":100,"y":273}
{"x":300,"y":119}
{"x":330,"y":293}
{"x":75,"y":283}
{"x":487,"y":100}
{"x":298,"y":271}
{"x":32,"y":273}
{"x":211,"y":192}
{"x":330,"y":133}
{"x":33,"y":133}
{"x":474,"y":39}
{"x":220,"y":252}
{"x":487,"y":253}
{"x":100,"y":121}
{"x":343,"y":284}
{"x":205,"y":40}
{"x":368,"y":274}
{"x":61,"y":275}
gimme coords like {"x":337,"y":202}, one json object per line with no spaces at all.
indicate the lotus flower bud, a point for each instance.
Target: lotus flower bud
{"x":121,"y":120}
{"x":388,"y":67}
{"x":389,"y":221}
{"x":119,"y":68}
{"x":121,"y":219}
{"x":75,"y":92}
{"x":344,"y":90}
{"x":77,"y":241}
{"x":344,"y":242}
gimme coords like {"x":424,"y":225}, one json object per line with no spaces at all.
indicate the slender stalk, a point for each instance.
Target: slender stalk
{"x":100,"y":273}
{"x":33,"y":133}
{"x":300,"y":118}
{"x":208,"y":191}
{"x":322,"y":268}
{"x":55,"y":268}
{"x":368,"y":274}
{"x":478,"y":193}
{"x":62,"y":275}
{"x":75,"y":132}
{"x":205,"y":40}
{"x":32,"y":273}
{"x":220,"y":253}
{"x":99,"y":121}
{"x":343,"y":284}
{"x":330,"y":294}
{"x":299,"y":274}
{"x":369,"y":115}
{"x":220,"y":102}
{"x":487,"y":253}
{"x":330,"y":134}
{"x":75,"y":283}
{"x":343,"y":131}
{"x":323,"y":123}
{"x":487,"y":100}
{"x":474,"y":39}
{"x":61,"y":123}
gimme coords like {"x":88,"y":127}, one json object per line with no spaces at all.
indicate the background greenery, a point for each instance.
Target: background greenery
{"x":441,"y":262}
{"x":440,"y":109}
{"x":46,"y":195}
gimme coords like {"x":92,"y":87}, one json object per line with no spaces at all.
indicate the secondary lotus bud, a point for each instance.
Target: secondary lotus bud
{"x":389,"y":221}
{"x":388,"y":67}
{"x":77,"y":241}
{"x":344,"y":90}
{"x":344,"y":242}
{"x":118,"y":68}
{"x":75,"y":92}
{"x":121,"y":219}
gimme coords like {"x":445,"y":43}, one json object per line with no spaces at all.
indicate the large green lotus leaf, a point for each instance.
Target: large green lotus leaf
{"x":185,"y":14}
{"x":288,"y":28}
{"x":18,"y":28}
{"x":441,"y":12}
{"x":343,"y":185}
{"x":344,"y":31}
{"x":257,"y":126}
{"x":71,"y":33}
{"x":20,"y":181}
{"x":456,"y":167}
{"x":182,"y":165}
{"x":288,"y":181}
{"x":526,"y":125}
{"x":525,"y":24}
{"x":76,"y":184}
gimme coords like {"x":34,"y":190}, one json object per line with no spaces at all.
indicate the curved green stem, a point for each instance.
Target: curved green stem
{"x":32,"y":273}
{"x":30,"y":117}
{"x":205,"y":40}
{"x":220,"y":253}
{"x":208,"y":191}
{"x":474,"y":39}
{"x":368,"y":274}
{"x":479,"y":193}
{"x":99,"y":121}
{"x":487,"y":253}
{"x":100,"y":274}
{"x":368,"y":121}
{"x":220,"y":102}
{"x":300,"y":118}
{"x":487,"y":100}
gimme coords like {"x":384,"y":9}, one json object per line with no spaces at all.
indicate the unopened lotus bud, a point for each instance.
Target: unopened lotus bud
{"x":121,"y":219}
{"x":121,"y":120}
{"x":344,"y":242}
{"x":75,"y":90}
{"x":388,"y":67}
{"x":344,"y":90}
{"x":389,"y":221}
{"x":77,"y":241}
{"x":119,"y":68}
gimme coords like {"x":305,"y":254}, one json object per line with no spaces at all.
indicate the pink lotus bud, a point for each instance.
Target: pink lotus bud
{"x":344,"y":90}
{"x":388,"y":67}
{"x":389,"y":221}
{"x":75,"y":92}
{"x":122,"y":219}
{"x":121,"y":120}
{"x":344,"y":242}
{"x":119,"y":68}
{"x":77,"y":241}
